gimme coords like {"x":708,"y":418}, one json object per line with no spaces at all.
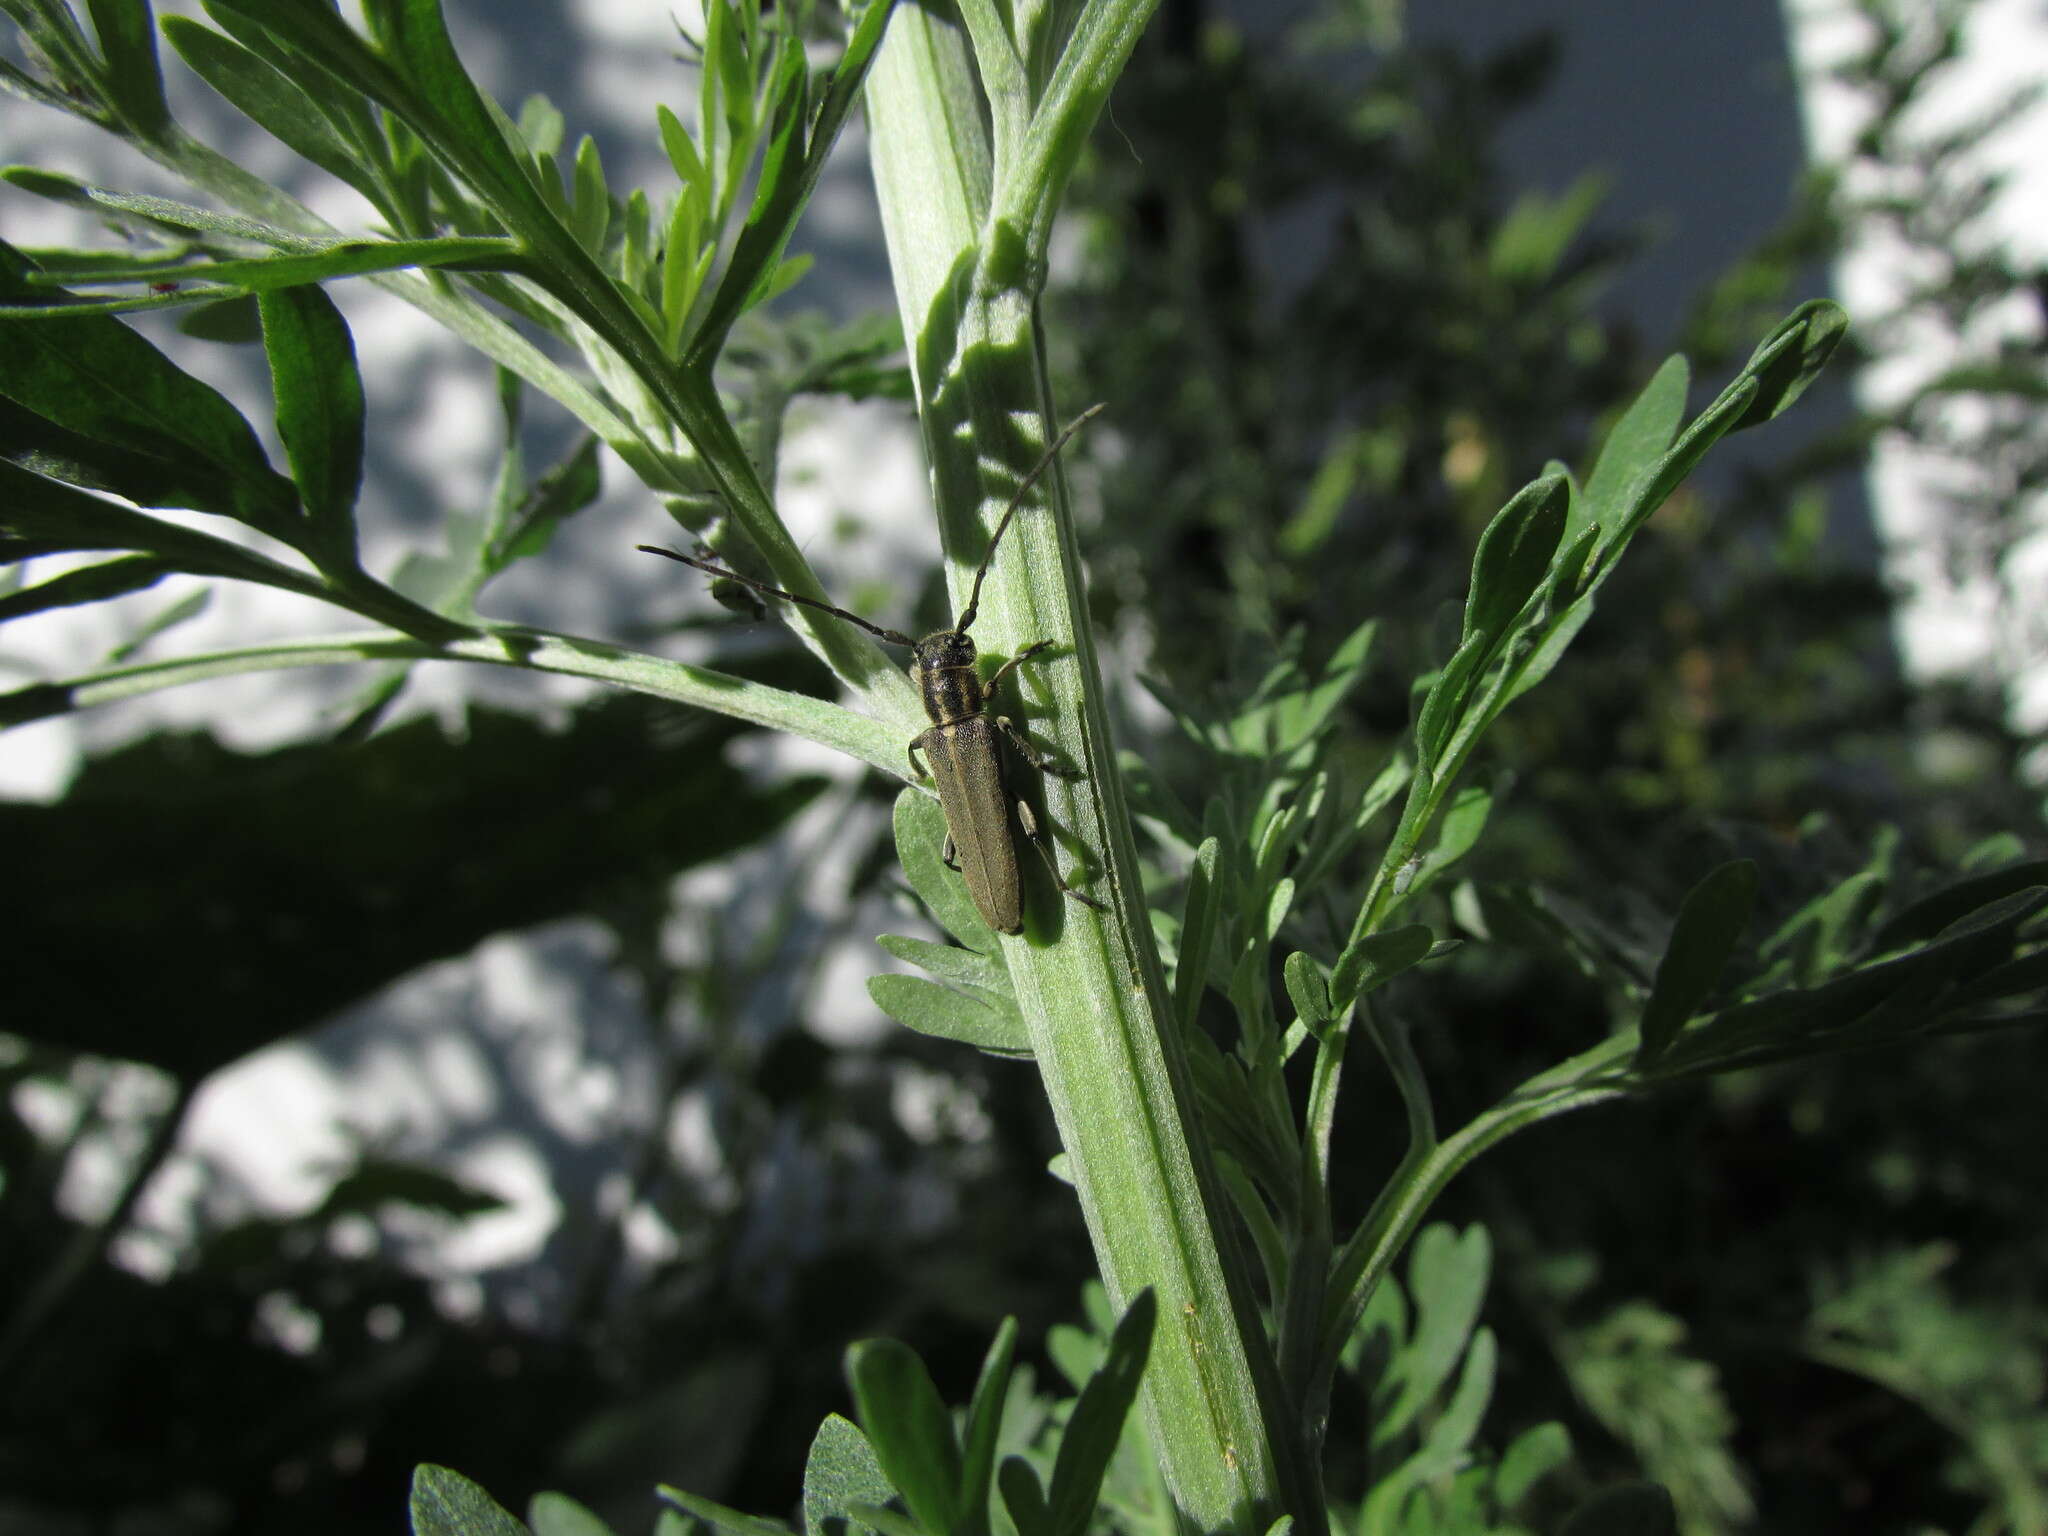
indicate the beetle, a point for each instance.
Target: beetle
{"x":965,"y":764}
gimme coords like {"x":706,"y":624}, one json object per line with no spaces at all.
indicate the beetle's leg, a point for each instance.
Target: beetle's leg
{"x":915,"y":766}
{"x":949,"y":854}
{"x":1029,"y":823}
{"x":1031,"y":754}
{"x":1015,"y":661}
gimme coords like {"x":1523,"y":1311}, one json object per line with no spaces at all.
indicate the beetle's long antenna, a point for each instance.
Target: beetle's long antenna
{"x":974,"y":597}
{"x":890,"y":635}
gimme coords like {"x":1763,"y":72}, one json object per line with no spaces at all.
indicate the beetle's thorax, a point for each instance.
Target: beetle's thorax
{"x":947,"y":681}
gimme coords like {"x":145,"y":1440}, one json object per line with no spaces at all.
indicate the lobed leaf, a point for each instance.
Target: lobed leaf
{"x":920,"y":838}
{"x":931,"y":1009}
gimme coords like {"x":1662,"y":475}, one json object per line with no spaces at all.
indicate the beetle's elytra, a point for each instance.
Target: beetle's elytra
{"x":959,"y":748}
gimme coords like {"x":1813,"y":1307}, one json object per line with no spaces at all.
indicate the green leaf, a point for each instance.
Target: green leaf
{"x":446,"y":1503}
{"x":920,"y":839}
{"x":789,"y":171}
{"x":556,"y":1514}
{"x":152,"y":214}
{"x":1633,"y":1509}
{"x":840,"y":1471}
{"x":559,"y":494}
{"x":1024,"y":1497}
{"x":1791,"y":357}
{"x":912,"y":1434}
{"x":1446,"y":1446}
{"x":1633,"y":447}
{"x":721,"y":1517}
{"x":592,"y":201}
{"x":1883,"y":1000}
{"x":1932,"y":913}
{"x":132,"y":421}
{"x":135,"y":81}
{"x":186,"y":608}
{"x":1445,"y":703}
{"x":1530,"y":1457}
{"x":1710,"y":921}
{"x":1098,"y":1418}
{"x":949,"y":962}
{"x":1514,"y":553}
{"x":984,"y":1424}
{"x":780,"y":188}
{"x":1199,"y":915}
{"x":682,"y":151}
{"x":1306,"y":989}
{"x":1375,"y":960}
{"x":89,"y":584}
{"x":931,"y":1009}
{"x":319,"y":414}
{"x":272,"y":100}
{"x":44,"y":517}
{"x":323,"y":262}
{"x":1459,"y":833}
{"x":1447,"y":1277}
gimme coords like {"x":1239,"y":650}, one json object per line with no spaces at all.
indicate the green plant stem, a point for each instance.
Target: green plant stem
{"x":1595,"y":1076}
{"x":875,"y":742}
{"x":1095,"y":1001}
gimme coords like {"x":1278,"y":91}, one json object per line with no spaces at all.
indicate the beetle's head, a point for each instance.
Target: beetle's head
{"x":947,"y":648}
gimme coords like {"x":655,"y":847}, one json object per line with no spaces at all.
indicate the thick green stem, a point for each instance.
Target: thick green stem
{"x":1089,"y":986}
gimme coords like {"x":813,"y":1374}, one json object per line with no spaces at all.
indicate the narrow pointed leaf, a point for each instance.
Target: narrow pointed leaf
{"x":1375,"y":960}
{"x":1305,"y":988}
{"x":1197,"y":934}
{"x":127,"y":33}
{"x":906,"y":1422}
{"x":1514,"y":553}
{"x":319,"y":413}
{"x":1024,"y":1497}
{"x":719,"y":1517}
{"x":1634,"y":445}
{"x":273,"y":101}
{"x":1791,"y":357}
{"x":984,"y":1424}
{"x":1710,"y":921}
{"x":1098,"y":1419}
{"x":139,"y":423}
{"x":89,"y":584}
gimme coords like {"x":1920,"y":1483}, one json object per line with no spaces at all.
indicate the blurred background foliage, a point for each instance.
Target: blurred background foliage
{"x":1804,"y":1298}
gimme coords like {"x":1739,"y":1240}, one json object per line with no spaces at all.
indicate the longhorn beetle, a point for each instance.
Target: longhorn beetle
{"x":960,"y":744}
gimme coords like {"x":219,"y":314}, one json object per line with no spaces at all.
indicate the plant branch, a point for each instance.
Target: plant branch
{"x":879,"y":743}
